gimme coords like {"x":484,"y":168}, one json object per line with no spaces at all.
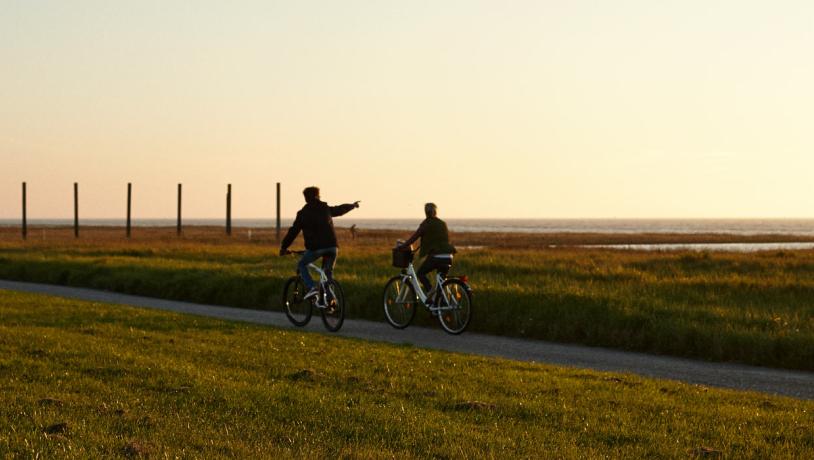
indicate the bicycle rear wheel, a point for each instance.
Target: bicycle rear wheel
{"x":296,"y":308}
{"x":455,"y":306}
{"x":333,"y":315}
{"x":400,"y":302}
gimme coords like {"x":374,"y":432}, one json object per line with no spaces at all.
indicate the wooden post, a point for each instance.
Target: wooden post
{"x":76,"y":210}
{"x":179,"y":210}
{"x":25,"y":220}
{"x":229,"y":209}
{"x":278,"y":211}
{"x":129,"y":196}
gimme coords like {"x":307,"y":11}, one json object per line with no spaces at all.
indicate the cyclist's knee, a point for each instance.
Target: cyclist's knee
{"x":302,"y":266}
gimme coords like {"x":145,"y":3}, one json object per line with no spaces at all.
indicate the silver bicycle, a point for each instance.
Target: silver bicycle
{"x":330,"y":301}
{"x":450,"y":300}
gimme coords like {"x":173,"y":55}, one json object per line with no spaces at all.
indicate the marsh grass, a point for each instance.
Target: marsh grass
{"x":755,"y":308}
{"x":89,"y":380}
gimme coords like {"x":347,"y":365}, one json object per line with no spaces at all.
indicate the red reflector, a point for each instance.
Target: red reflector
{"x":464,"y":278}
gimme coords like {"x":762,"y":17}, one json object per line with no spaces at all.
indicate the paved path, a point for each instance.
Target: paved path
{"x":788,"y":383}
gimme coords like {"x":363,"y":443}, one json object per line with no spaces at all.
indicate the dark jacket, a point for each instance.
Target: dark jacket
{"x":434,"y":237}
{"x":314,"y":219}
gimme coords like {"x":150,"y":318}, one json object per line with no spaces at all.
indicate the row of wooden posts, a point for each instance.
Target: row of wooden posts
{"x":129,"y":200}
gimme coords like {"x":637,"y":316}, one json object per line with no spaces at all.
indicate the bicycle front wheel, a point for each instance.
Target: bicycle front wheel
{"x":296,"y":308}
{"x":333,"y":315}
{"x":455,"y":306}
{"x":399,"y":302}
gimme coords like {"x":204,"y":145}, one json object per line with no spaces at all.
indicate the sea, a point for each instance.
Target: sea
{"x":683,"y":226}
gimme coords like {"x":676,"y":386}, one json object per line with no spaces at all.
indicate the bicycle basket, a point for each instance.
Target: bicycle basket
{"x":402,"y":257}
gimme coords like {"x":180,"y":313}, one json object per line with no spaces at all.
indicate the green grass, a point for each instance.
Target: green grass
{"x":82,"y":379}
{"x":750,"y":308}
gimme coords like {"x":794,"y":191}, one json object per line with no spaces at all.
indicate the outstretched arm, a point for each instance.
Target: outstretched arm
{"x":343,"y":209}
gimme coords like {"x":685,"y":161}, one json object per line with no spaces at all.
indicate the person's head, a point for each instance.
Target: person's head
{"x":430,"y":209}
{"x":311,"y":194}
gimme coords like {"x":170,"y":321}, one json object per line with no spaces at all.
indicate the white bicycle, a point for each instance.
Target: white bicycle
{"x":451,"y":300}
{"x":330,"y":301}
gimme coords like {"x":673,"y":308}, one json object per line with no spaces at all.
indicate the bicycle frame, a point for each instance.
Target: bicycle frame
{"x":410,"y":275}
{"x":323,"y":278}
{"x":321,"y":300}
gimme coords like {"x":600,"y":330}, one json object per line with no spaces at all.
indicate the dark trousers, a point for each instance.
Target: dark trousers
{"x":442,"y":264}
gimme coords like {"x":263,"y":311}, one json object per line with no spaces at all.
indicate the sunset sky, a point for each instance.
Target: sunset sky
{"x":528,"y":109}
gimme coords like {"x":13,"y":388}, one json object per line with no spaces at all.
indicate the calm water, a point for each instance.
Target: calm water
{"x":725,"y":247}
{"x":731,"y":226}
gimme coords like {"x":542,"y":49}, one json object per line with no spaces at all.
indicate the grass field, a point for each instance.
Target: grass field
{"x":753,"y":308}
{"x":89,"y":380}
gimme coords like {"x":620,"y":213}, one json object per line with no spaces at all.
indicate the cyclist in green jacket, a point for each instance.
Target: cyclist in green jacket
{"x":435,"y":246}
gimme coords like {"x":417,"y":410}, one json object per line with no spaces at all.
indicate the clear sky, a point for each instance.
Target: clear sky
{"x":626,"y":108}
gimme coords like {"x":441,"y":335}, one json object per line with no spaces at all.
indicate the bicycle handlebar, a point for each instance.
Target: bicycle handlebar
{"x":399,"y":243}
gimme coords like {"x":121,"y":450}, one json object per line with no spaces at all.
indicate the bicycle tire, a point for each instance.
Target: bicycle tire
{"x":334,"y":314}
{"x":399,"y":306}
{"x":455,"y":306}
{"x":297,"y":309}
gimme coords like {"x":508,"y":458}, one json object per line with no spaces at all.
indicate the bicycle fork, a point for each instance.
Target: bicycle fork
{"x":325,"y":296}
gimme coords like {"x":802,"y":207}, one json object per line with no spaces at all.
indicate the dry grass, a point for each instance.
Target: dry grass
{"x":41,"y":235}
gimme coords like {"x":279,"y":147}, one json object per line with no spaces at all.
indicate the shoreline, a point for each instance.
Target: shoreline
{"x":39,"y":235}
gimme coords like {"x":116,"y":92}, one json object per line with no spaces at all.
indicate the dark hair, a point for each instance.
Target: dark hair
{"x":311,"y":194}
{"x":430,"y":209}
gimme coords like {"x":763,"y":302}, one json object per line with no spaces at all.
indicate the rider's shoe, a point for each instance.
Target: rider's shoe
{"x":329,"y":307}
{"x":314,"y":291}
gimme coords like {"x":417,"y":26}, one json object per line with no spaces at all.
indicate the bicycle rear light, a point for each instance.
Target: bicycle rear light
{"x":464,"y":278}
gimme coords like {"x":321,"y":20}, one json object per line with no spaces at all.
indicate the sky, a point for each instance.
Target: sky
{"x":491,"y":109}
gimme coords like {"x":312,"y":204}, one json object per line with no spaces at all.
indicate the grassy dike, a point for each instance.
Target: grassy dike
{"x":89,"y":380}
{"x":750,"y":308}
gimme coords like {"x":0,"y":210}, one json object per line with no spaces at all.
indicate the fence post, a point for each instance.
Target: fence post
{"x":76,"y":210}
{"x":278,"y":211}
{"x":179,"y":210}
{"x":25,"y":220}
{"x":229,"y":209}
{"x":129,"y":196}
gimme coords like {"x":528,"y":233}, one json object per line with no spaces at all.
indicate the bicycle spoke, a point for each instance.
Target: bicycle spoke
{"x":455,"y":311}
{"x":399,"y":303}
{"x":333,"y":315}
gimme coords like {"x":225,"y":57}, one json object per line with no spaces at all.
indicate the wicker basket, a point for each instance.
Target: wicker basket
{"x":402,"y":257}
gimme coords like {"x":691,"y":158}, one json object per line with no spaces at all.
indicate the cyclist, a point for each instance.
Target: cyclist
{"x":434,"y":245}
{"x":316,"y":223}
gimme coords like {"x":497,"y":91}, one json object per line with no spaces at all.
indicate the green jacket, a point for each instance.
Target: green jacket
{"x":434,"y":237}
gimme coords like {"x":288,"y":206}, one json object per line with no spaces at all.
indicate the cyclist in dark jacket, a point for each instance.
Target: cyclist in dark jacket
{"x":434,"y":245}
{"x":317,"y":226}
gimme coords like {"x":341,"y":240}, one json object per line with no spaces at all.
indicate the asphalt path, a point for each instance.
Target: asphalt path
{"x":797,"y":384}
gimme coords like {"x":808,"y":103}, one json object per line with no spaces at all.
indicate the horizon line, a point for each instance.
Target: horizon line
{"x":173,"y":218}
